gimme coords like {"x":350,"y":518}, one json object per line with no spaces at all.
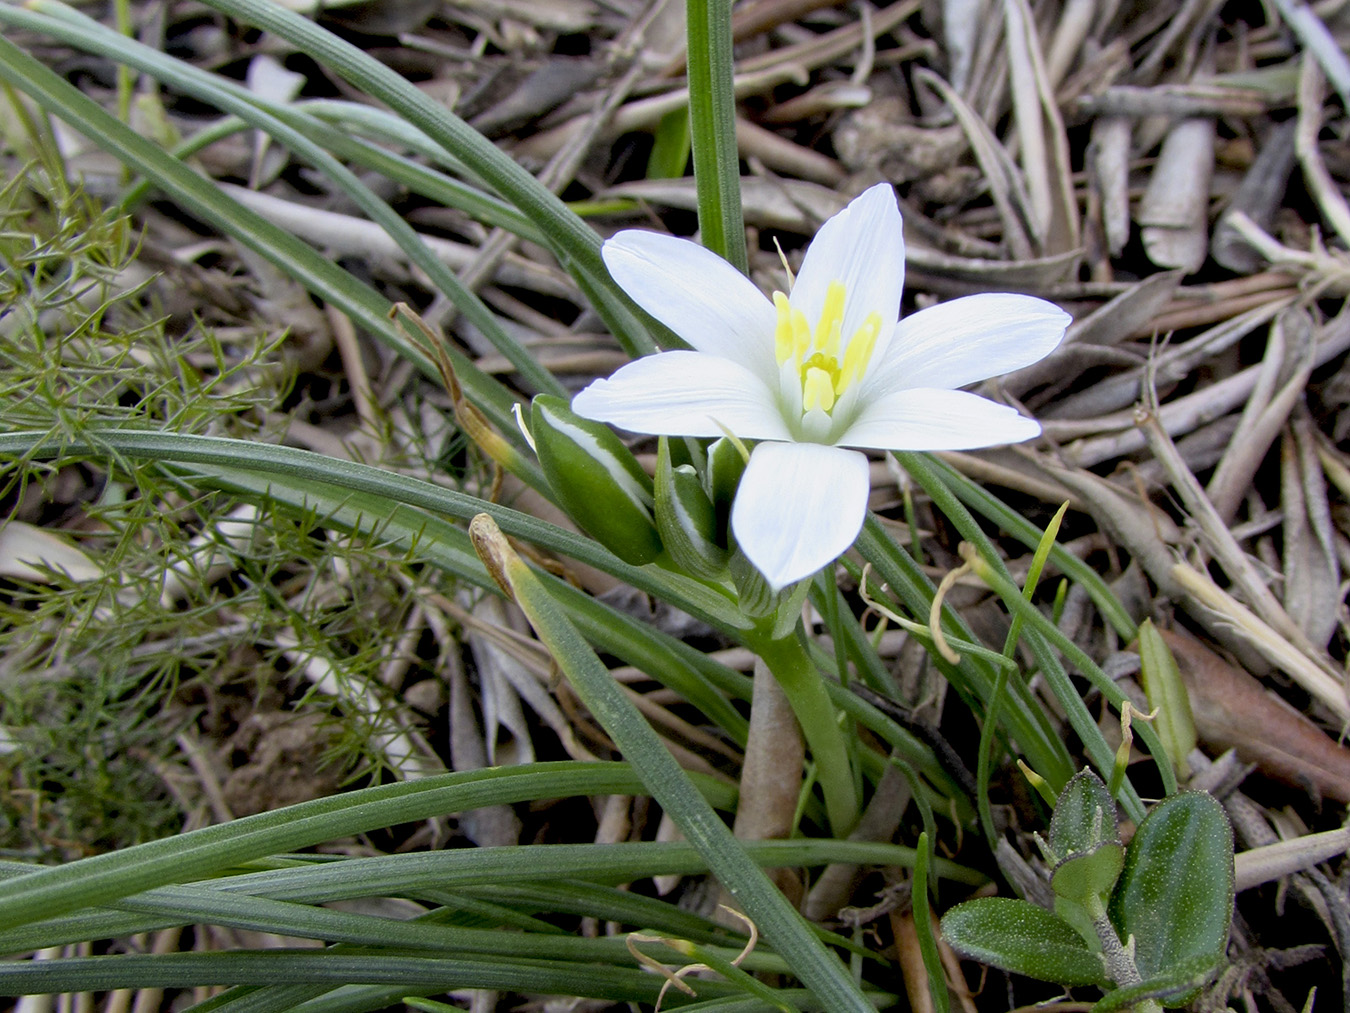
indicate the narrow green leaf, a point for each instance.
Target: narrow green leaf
{"x":379,"y":875}
{"x":571,"y":239}
{"x":974,"y":679}
{"x":1045,"y":640}
{"x":984,"y":764}
{"x":270,"y":999}
{"x":987,"y":505}
{"x":52,"y":891}
{"x":443,"y":974}
{"x":712,"y":125}
{"x":923,"y":927}
{"x":280,"y":123}
{"x":670,"y":150}
{"x":316,"y":273}
{"x":249,"y":466}
{"x":1018,"y":936}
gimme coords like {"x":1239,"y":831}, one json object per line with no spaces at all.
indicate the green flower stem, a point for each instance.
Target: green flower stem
{"x":1119,"y":959}
{"x":801,"y":681}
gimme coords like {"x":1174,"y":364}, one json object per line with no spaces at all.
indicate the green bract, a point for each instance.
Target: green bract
{"x":596,"y":479}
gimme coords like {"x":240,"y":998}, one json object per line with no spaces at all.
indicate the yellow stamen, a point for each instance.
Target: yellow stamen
{"x":801,"y":335}
{"x":827,"y":364}
{"x":831,"y":320}
{"x":859,"y":352}
{"x":824,"y":364}
{"x":782,"y":333}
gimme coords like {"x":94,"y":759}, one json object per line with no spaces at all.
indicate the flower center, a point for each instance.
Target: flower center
{"x":825,"y":363}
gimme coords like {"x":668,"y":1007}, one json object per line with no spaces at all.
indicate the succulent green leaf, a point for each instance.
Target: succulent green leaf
{"x":1175,"y":896}
{"x":1020,"y":937}
{"x":685,"y":518}
{"x":596,"y":480}
{"x":1084,"y":818}
{"x":1166,"y":695}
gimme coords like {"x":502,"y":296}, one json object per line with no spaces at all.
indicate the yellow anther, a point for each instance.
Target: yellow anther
{"x":817,"y":389}
{"x":801,"y":335}
{"x":782,"y":334}
{"x":859,"y":351}
{"x":831,"y":319}
{"x":826,"y":365}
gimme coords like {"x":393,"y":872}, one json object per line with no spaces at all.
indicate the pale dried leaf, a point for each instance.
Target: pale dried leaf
{"x":30,"y":553}
{"x":1312,"y":573}
{"x":1260,"y":193}
{"x":1044,"y":146}
{"x":1109,"y":155}
{"x":1173,"y":214}
{"x":1280,"y":383}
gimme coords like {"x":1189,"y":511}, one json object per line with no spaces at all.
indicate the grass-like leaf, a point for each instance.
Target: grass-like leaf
{"x":712,"y":127}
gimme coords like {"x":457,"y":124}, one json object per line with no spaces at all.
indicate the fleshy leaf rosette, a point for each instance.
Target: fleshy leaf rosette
{"x":809,"y":374}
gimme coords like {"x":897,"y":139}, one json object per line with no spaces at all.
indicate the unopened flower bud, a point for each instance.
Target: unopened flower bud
{"x":596,"y":480}
{"x":686,"y":519}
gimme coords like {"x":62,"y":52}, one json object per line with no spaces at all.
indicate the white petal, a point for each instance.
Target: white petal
{"x":862,"y":246}
{"x":684,"y":394}
{"x":798,"y":507}
{"x":928,"y":419}
{"x":695,"y":293}
{"x":958,"y":342}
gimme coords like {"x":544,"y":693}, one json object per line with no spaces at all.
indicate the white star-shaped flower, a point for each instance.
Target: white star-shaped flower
{"x":809,"y":374}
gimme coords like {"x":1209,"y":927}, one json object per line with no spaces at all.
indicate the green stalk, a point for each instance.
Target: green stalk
{"x":777,"y":920}
{"x":712,"y":125}
{"x":801,"y":681}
